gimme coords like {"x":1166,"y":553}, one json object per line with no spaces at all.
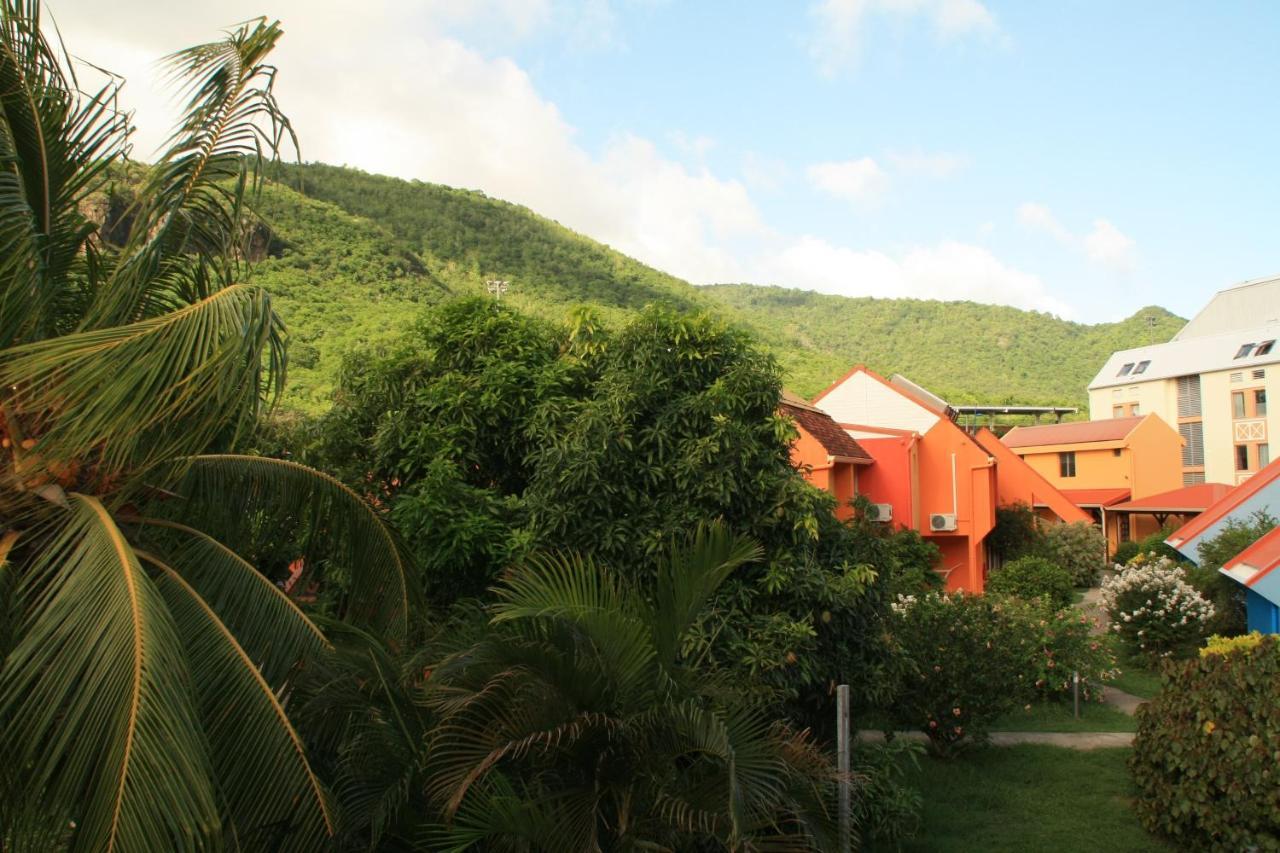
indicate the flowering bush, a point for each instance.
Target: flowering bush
{"x":1079,"y":547}
{"x":1153,"y":608}
{"x":966,"y":664}
{"x":1032,"y":577}
{"x":1061,"y":645}
{"x":1206,"y":757}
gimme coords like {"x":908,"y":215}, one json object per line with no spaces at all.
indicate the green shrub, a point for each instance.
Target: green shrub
{"x":1153,"y":609}
{"x":1061,"y":644}
{"x":966,"y":662}
{"x":1206,"y":757}
{"x":1125,"y":552}
{"x":1032,"y":577}
{"x":1079,"y":547}
{"x":1016,"y":534}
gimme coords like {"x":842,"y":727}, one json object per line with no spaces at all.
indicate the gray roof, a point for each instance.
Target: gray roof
{"x":1190,"y":356}
{"x":1243,"y":306}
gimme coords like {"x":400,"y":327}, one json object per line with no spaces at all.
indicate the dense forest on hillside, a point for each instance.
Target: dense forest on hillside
{"x":355,"y":257}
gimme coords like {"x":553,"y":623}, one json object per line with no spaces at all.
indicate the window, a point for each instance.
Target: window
{"x":1124,"y":527}
{"x":1117,"y":411}
{"x":1259,"y":403}
{"x":1237,"y":377}
{"x":1141,"y":368}
{"x":1242,"y":457}
{"x":1192,"y":444}
{"x":1237,"y":404}
{"x":1264,"y":348}
{"x":1259,"y":374}
{"x":1244,"y":350}
{"x":1264,"y":455}
{"x":1115,"y":451}
{"x":1135,"y":409}
{"x":1188,"y":396}
{"x":1190,"y":478}
{"x":1124,"y":371}
{"x":1067,"y":464}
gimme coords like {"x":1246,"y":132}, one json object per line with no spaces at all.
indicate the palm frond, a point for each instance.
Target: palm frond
{"x":112,"y":397}
{"x":689,"y":575}
{"x":240,"y":500}
{"x":196,"y":196}
{"x":96,"y":699}
{"x":497,"y":817}
{"x":274,"y":799}
{"x":264,"y":620}
{"x":56,"y":144}
{"x":573,"y":589}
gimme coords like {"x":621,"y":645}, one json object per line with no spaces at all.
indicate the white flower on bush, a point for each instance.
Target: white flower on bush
{"x":1153,"y":605}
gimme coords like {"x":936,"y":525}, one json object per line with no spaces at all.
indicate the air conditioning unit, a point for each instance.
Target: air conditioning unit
{"x":880,"y":512}
{"x":942,"y":521}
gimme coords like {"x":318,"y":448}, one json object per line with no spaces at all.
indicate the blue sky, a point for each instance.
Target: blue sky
{"x":1086,"y":158}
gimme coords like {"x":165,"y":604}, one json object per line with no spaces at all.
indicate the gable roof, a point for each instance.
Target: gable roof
{"x":826,"y":431}
{"x":1074,"y":432}
{"x":862,"y":396}
{"x":1195,"y":498}
{"x":1241,"y":305}
{"x":1258,"y":560}
{"x":1254,"y":493}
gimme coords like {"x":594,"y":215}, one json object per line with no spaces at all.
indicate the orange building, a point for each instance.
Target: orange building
{"x":826,"y":454}
{"x":931,"y":476}
{"x":1108,"y":467}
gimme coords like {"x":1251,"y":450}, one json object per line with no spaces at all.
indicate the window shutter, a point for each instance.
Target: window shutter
{"x":1193,"y":448}
{"x":1189,"y":396}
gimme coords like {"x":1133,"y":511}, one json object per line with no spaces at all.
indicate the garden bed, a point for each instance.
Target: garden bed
{"x":1020,"y":798}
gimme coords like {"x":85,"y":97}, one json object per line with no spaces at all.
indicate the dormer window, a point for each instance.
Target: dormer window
{"x":1141,"y":368}
{"x":1124,"y":371}
{"x":1264,"y":348}
{"x":1244,"y":350}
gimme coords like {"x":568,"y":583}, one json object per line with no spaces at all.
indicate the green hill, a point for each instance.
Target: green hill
{"x":355,"y":256}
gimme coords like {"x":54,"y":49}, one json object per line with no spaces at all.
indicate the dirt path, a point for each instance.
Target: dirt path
{"x":1070,"y":740}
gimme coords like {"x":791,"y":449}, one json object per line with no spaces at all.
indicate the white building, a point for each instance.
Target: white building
{"x":1212,"y":381}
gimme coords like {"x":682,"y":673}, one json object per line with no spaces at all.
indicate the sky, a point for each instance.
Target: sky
{"x":1084,"y":159}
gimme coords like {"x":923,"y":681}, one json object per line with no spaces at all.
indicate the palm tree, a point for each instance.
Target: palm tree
{"x":146,"y":662}
{"x":586,"y":720}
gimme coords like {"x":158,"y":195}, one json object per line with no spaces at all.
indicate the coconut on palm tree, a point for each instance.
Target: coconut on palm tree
{"x":146,"y":659}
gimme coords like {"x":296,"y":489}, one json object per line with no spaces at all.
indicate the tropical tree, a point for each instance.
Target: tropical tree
{"x":588,"y":720}
{"x":146,"y":661}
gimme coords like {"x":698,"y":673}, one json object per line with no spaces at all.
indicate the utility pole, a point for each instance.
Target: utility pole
{"x":496,"y":287}
{"x":843,"y":748}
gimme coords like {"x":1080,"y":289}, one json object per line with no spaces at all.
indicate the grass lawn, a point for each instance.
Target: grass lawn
{"x":1056,"y":717}
{"x":1029,"y":798}
{"x":1137,"y":678}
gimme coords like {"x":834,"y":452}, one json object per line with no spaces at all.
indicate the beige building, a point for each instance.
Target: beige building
{"x":1212,"y":382}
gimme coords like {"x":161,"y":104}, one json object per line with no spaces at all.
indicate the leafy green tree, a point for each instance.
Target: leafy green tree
{"x":587,"y":720}
{"x":146,"y":660}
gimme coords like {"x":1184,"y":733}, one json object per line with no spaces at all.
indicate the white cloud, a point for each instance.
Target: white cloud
{"x":949,"y":270}
{"x":921,"y":164}
{"x":1105,"y":245}
{"x":852,"y":180}
{"x":839,"y":26}
{"x":764,"y":173}
{"x":1038,"y":217}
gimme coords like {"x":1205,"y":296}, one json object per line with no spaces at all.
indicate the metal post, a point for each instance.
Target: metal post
{"x":842,"y":764}
{"x":1075,"y":691}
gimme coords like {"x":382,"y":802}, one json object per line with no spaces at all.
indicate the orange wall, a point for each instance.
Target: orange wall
{"x":927,"y":460}
{"x":1148,"y":461}
{"x":840,"y":479}
{"x":1157,"y":457}
{"x":1018,"y":482}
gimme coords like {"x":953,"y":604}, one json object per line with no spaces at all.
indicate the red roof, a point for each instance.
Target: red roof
{"x":828,"y":433}
{"x":1228,"y":503}
{"x":1262,"y":556}
{"x":1077,"y":432}
{"x":1195,"y":498}
{"x":1096,"y":497}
